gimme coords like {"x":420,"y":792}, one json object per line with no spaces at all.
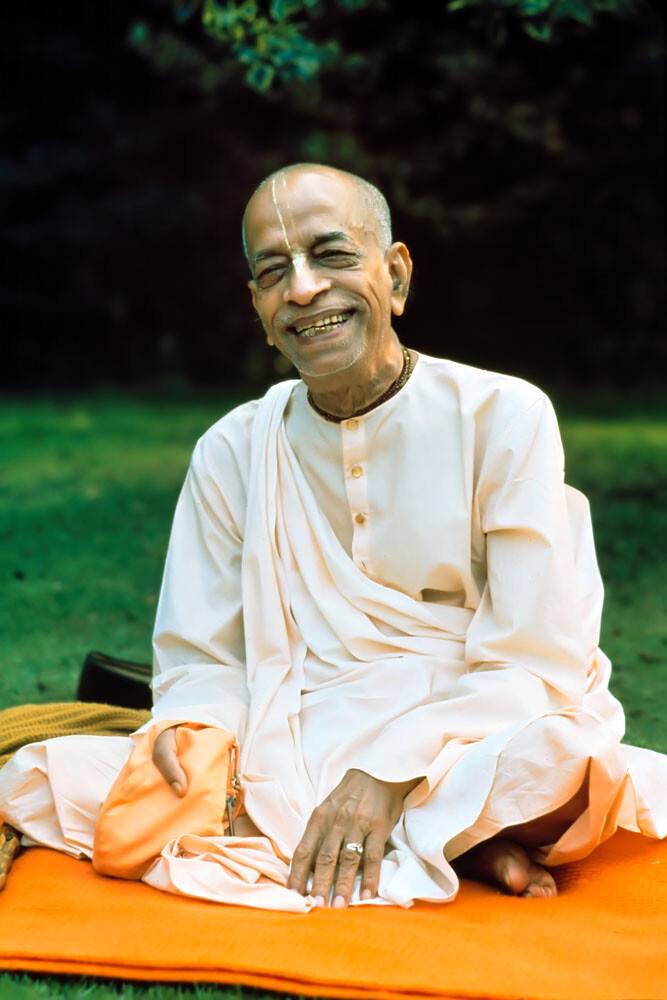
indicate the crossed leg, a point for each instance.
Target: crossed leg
{"x":504,"y":861}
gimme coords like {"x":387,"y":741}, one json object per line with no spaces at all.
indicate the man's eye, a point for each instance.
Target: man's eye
{"x":270,"y":276}
{"x":336,"y":257}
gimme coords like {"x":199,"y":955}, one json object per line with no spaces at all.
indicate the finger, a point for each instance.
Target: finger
{"x":304,"y":856}
{"x":325,"y":865}
{"x":373,"y":855}
{"x":165,"y":759}
{"x":348,"y":866}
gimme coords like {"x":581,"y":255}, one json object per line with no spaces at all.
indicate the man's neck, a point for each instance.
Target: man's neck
{"x":358,"y":387}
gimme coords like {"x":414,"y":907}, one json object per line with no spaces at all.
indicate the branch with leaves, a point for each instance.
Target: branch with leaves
{"x":278,"y":42}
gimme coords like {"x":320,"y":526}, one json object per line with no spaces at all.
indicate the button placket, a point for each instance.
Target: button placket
{"x":355,"y":460}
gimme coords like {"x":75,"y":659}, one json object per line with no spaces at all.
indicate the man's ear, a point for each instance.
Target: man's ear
{"x":399,"y":263}
{"x":252,"y":285}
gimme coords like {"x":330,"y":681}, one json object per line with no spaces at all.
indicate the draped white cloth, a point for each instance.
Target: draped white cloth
{"x":414,"y":593}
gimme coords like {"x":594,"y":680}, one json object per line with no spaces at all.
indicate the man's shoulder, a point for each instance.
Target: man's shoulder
{"x":229,"y":438}
{"x":237,"y":422}
{"x":480,"y":393}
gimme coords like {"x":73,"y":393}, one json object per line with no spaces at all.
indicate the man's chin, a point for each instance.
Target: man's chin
{"x":328,"y":364}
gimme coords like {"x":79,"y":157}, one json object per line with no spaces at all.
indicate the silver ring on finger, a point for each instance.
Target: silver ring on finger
{"x":354,"y":845}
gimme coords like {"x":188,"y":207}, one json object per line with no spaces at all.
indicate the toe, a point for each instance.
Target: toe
{"x":541,"y":884}
{"x":534,"y":891}
{"x":512,"y":873}
{"x":507,"y":865}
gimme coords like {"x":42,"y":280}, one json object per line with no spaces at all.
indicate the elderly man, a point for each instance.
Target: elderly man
{"x":378,"y":591}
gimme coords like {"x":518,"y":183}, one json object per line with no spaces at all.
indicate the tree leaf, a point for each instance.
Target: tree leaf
{"x":248,"y":11}
{"x":139,"y":34}
{"x":577,"y":10}
{"x":541,"y":31}
{"x":461,"y":4}
{"x":280,"y":10}
{"x":532,"y":7}
{"x":260,"y":76}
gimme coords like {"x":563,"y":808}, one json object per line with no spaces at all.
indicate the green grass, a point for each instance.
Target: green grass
{"x":26,"y":987}
{"x":87,"y":490}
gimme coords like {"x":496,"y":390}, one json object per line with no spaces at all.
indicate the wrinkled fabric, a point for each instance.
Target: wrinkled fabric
{"x":141,"y":812}
{"x":413,"y":593}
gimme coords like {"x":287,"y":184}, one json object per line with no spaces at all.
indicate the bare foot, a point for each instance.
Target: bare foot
{"x":506,"y":864}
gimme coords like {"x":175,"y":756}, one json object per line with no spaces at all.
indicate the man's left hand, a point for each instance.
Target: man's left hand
{"x":360,"y":810}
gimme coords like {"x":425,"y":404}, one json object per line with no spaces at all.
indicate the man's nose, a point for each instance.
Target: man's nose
{"x":304,"y":283}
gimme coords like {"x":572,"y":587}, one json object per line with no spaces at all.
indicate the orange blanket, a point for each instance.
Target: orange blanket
{"x":604,"y":936}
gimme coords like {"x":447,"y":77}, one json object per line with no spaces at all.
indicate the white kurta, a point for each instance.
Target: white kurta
{"x":413,"y":592}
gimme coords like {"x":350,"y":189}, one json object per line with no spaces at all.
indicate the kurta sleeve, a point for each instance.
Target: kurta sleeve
{"x":534,"y":614}
{"x":198,"y":642}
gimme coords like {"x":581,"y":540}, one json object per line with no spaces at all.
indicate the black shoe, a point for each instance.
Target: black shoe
{"x":110,"y":681}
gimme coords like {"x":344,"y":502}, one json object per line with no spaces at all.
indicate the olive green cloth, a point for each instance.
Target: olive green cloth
{"x":32,"y":723}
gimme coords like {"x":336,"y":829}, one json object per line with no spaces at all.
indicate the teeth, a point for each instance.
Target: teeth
{"x":325,"y":324}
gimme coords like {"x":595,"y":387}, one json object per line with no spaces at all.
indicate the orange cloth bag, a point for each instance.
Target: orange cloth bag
{"x":142,"y":813}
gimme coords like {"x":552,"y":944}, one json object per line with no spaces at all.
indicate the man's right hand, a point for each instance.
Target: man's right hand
{"x":165,"y":759}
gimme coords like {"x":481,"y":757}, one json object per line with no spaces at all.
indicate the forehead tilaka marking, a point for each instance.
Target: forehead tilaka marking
{"x":274,"y":199}
{"x":298,"y":256}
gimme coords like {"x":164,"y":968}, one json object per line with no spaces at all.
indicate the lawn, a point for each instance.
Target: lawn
{"x":88,"y":487}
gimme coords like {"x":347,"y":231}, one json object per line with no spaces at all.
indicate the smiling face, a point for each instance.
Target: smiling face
{"x":323,"y":286}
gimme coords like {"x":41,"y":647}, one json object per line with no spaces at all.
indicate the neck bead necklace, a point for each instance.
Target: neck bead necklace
{"x":396,"y":386}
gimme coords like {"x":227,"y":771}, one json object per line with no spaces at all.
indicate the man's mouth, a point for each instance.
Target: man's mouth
{"x":325,"y":325}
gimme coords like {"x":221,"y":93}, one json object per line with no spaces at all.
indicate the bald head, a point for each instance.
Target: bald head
{"x":372,"y":204}
{"x":326,"y":277}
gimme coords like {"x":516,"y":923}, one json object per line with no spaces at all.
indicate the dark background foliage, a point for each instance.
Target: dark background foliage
{"x":519,"y":143}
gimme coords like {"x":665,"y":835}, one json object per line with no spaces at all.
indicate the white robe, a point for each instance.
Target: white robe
{"x":413,"y":592}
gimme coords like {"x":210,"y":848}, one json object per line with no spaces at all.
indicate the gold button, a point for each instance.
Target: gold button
{"x":357,"y":471}
{"x":360,"y":518}
{"x":352,"y":425}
